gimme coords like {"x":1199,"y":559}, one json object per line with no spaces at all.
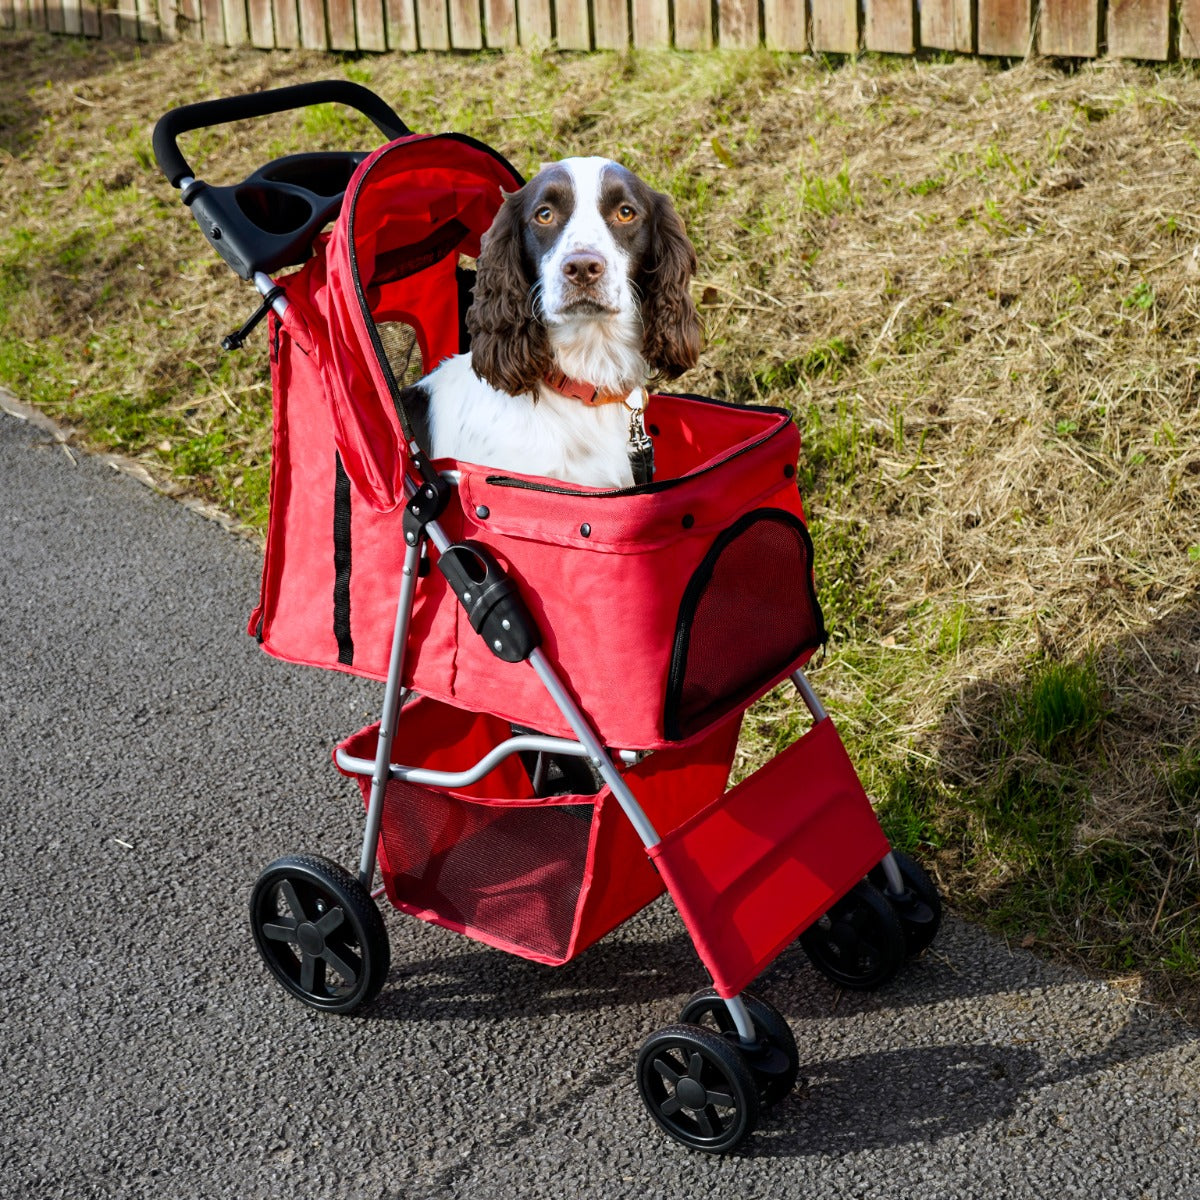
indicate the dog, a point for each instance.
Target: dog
{"x":581,"y":298}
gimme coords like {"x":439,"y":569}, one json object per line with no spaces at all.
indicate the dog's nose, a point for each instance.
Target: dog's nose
{"x":583,"y":268}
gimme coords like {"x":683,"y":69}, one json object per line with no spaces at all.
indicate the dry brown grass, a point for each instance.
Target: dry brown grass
{"x":977,"y":288}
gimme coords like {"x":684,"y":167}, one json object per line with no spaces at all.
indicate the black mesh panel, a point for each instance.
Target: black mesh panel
{"x":748,"y":614}
{"x":513,"y":871}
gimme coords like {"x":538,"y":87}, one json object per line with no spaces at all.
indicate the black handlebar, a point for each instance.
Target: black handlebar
{"x":261,"y":104}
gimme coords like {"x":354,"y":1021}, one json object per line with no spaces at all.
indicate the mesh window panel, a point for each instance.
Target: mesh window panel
{"x":512,"y":871}
{"x":749,"y":612}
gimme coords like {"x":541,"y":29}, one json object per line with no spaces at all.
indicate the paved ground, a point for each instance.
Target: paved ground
{"x":154,"y":761}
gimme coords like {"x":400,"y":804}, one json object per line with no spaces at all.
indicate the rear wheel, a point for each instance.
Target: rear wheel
{"x":919,"y":906}
{"x":859,"y":943}
{"x":319,"y":932}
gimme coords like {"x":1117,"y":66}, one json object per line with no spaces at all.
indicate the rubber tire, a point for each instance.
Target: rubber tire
{"x":709,"y":1063}
{"x":775,"y":1064}
{"x":357,"y":941}
{"x":859,"y":943}
{"x":920,"y":908}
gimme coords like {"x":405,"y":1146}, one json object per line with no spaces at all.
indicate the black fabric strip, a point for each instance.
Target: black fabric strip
{"x":341,"y":564}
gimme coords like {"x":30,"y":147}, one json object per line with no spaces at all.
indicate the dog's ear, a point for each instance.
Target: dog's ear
{"x":509,"y":346}
{"x":671,"y":325}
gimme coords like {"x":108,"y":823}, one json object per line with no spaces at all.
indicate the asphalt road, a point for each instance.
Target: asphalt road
{"x":154,"y":760}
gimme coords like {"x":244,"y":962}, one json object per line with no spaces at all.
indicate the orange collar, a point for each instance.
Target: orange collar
{"x":591,"y":396}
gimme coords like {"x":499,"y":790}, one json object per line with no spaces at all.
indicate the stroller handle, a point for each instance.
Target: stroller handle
{"x":261,"y":104}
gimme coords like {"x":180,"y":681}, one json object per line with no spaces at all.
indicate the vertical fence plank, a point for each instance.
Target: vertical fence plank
{"x":127,"y":19}
{"x":8,"y":16}
{"x":534,"y":23}
{"x":1139,"y":28}
{"x":651,"y":24}
{"x":890,"y":26}
{"x":37,"y":14}
{"x":261,"y":24}
{"x":371,"y":24}
{"x":946,"y":25}
{"x":611,"y":18}
{"x":835,"y":26}
{"x":1189,"y":29}
{"x":187,"y":19}
{"x":1069,"y":28}
{"x":401,"y":19}
{"x":693,"y":25}
{"x":285,"y":21}
{"x":20,"y":14}
{"x":89,"y":18}
{"x":500,"y":24}
{"x":737,"y":24}
{"x":785,"y":25}
{"x":54,"y":16}
{"x":237,"y":28}
{"x":1003,"y":27}
{"x":149,"y":24}
{"x":110,"y":21}
{"x":312,"y":25}
{"x":168,"y":19}
{"x":339,"y":18}
{"x":574,"y":32}
{"x":466,"y":25}
{"x":433,"y":25}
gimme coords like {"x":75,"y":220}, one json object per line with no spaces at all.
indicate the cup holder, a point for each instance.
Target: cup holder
{"x":326,"y":175}
{"x":273,"y":210}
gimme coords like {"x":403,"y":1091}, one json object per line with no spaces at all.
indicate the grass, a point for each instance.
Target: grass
{"x":978,"y":291}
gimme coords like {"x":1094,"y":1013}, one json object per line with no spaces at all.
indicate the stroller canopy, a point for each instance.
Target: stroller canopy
{"x":384,"y":303}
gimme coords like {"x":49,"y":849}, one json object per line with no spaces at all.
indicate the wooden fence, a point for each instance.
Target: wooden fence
{"x":1144,"y":29}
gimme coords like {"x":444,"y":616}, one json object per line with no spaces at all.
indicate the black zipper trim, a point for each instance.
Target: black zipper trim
{"x":360,"y":292}
{"x":660,"y":485}
{"x":700,"y":580}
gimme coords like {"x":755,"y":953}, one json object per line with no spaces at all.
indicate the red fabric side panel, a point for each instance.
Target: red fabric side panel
{"x":753,"y":871}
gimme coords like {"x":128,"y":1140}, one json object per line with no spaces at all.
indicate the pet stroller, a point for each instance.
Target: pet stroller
{"x":565,"y":669}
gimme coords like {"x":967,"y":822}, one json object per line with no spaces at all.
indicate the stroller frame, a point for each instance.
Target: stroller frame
{"x":702,"y":1088}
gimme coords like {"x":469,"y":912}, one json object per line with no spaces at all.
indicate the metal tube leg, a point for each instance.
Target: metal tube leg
{"x":809,"y":696}
{"x":742,"y":1021}
{"x":393,"y":694}
{"x":891,"y":871}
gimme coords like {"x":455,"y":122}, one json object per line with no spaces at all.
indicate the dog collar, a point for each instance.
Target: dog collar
{"x":585,"y":392}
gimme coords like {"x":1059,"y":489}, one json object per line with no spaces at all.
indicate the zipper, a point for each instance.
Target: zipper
{"x":662,"y":485}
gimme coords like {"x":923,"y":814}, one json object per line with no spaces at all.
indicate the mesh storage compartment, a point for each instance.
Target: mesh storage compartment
{"x":538,"y":877}
{"x":749,"y":612}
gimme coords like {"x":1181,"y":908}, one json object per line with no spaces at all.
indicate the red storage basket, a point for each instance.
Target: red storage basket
{"x":540,"y":878}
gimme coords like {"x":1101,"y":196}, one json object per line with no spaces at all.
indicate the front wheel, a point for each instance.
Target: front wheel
{"x":774,"y":1061}
{"x":319,"y":932}
{"x":698,"y":1088}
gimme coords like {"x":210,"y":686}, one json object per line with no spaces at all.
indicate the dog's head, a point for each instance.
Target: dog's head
{"x":585,"y":244}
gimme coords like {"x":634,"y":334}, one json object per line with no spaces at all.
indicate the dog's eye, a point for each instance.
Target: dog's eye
{"x":625,"y":214}
{"x":544,"y":215}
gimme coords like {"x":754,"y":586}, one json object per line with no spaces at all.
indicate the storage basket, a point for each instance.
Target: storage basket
{"x":541,"y":878}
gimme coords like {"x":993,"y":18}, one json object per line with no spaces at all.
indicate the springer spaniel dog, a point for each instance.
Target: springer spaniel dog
{"x":581,"y":297}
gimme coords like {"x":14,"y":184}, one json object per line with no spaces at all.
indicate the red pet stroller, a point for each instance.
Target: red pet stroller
{"x":565,"y":669}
